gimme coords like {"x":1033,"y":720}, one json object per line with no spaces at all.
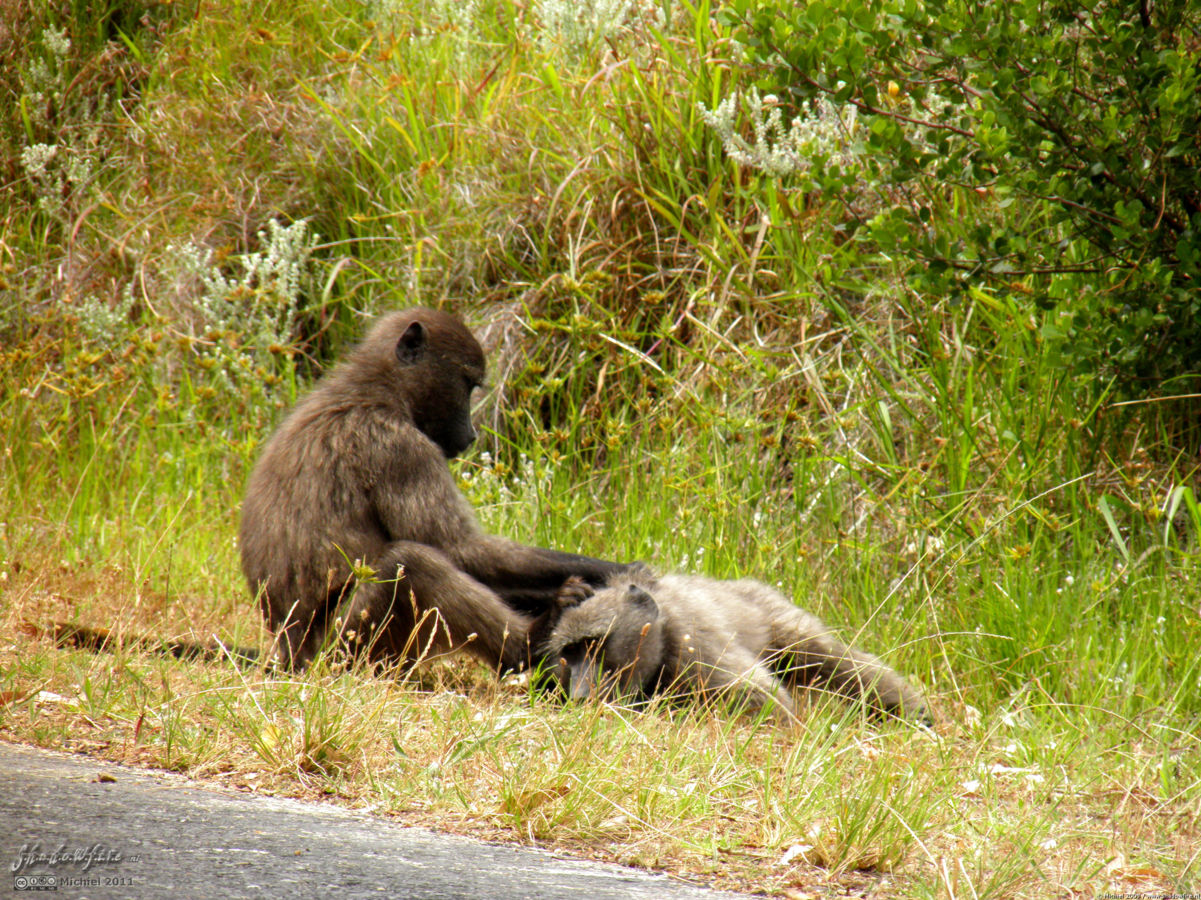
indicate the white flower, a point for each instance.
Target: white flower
{"x":778,"y":151}
{"x":37,"y":157}
{"x":57,"y":41}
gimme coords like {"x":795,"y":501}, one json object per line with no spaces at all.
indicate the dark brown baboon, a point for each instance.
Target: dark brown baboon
{"x":357,"y":472}
{"x":642,"y":635}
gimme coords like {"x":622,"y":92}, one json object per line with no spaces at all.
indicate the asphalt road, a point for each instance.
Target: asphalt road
{"x":154,"y":835}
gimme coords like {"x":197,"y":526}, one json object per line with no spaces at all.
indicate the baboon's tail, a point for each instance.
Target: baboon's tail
{"x":86,"y":637}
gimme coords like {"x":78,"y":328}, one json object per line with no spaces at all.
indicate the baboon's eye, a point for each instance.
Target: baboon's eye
{"x":587,"y":649}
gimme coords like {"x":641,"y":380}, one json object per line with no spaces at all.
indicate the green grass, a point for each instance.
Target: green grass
{"x":690,"y":365}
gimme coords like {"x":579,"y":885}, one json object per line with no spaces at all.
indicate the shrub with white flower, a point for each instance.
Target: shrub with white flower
{"x":826,"y":131}
{"x":244,"y":317}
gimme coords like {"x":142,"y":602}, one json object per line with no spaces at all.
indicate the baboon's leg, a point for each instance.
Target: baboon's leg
{"x":420,"y":602}
{"x":812,"y":657}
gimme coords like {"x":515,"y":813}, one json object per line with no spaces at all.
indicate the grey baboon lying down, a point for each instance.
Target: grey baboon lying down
{"x":642,"y":635}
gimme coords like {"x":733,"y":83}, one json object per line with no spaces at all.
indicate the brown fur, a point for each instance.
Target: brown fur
{"x":358,"y":471}
{"x":642,"y":635}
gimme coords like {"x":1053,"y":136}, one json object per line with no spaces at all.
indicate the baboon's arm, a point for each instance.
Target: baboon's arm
{"x":739,"y":678}
{"x":414,"y":498}
{"x":527,"y":578}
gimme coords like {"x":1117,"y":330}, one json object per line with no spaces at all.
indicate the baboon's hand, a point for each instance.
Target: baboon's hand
{"x":573,"y":592}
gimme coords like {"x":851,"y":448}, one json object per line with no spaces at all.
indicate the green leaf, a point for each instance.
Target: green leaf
{"x":1107,"y":515}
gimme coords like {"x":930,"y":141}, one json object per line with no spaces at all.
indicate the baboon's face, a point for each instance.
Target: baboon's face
{"x":609,"y":645}
{"x":587,"y":672}
{"x":442,"y":364}
{"x":445,"y":415}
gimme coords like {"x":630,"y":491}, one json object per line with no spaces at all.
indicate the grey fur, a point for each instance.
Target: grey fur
{"x":357,"y":471}
{"x":642,"y":635}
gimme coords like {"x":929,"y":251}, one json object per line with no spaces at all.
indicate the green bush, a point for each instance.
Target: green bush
{"x":1045,"y":150}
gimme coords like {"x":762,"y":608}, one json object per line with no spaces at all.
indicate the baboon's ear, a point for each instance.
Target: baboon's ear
{"x":408,"y":348}
{"x":636,"y":596}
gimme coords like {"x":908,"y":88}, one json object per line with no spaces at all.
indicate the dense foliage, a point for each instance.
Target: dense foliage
{"x":1042,"y":148}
